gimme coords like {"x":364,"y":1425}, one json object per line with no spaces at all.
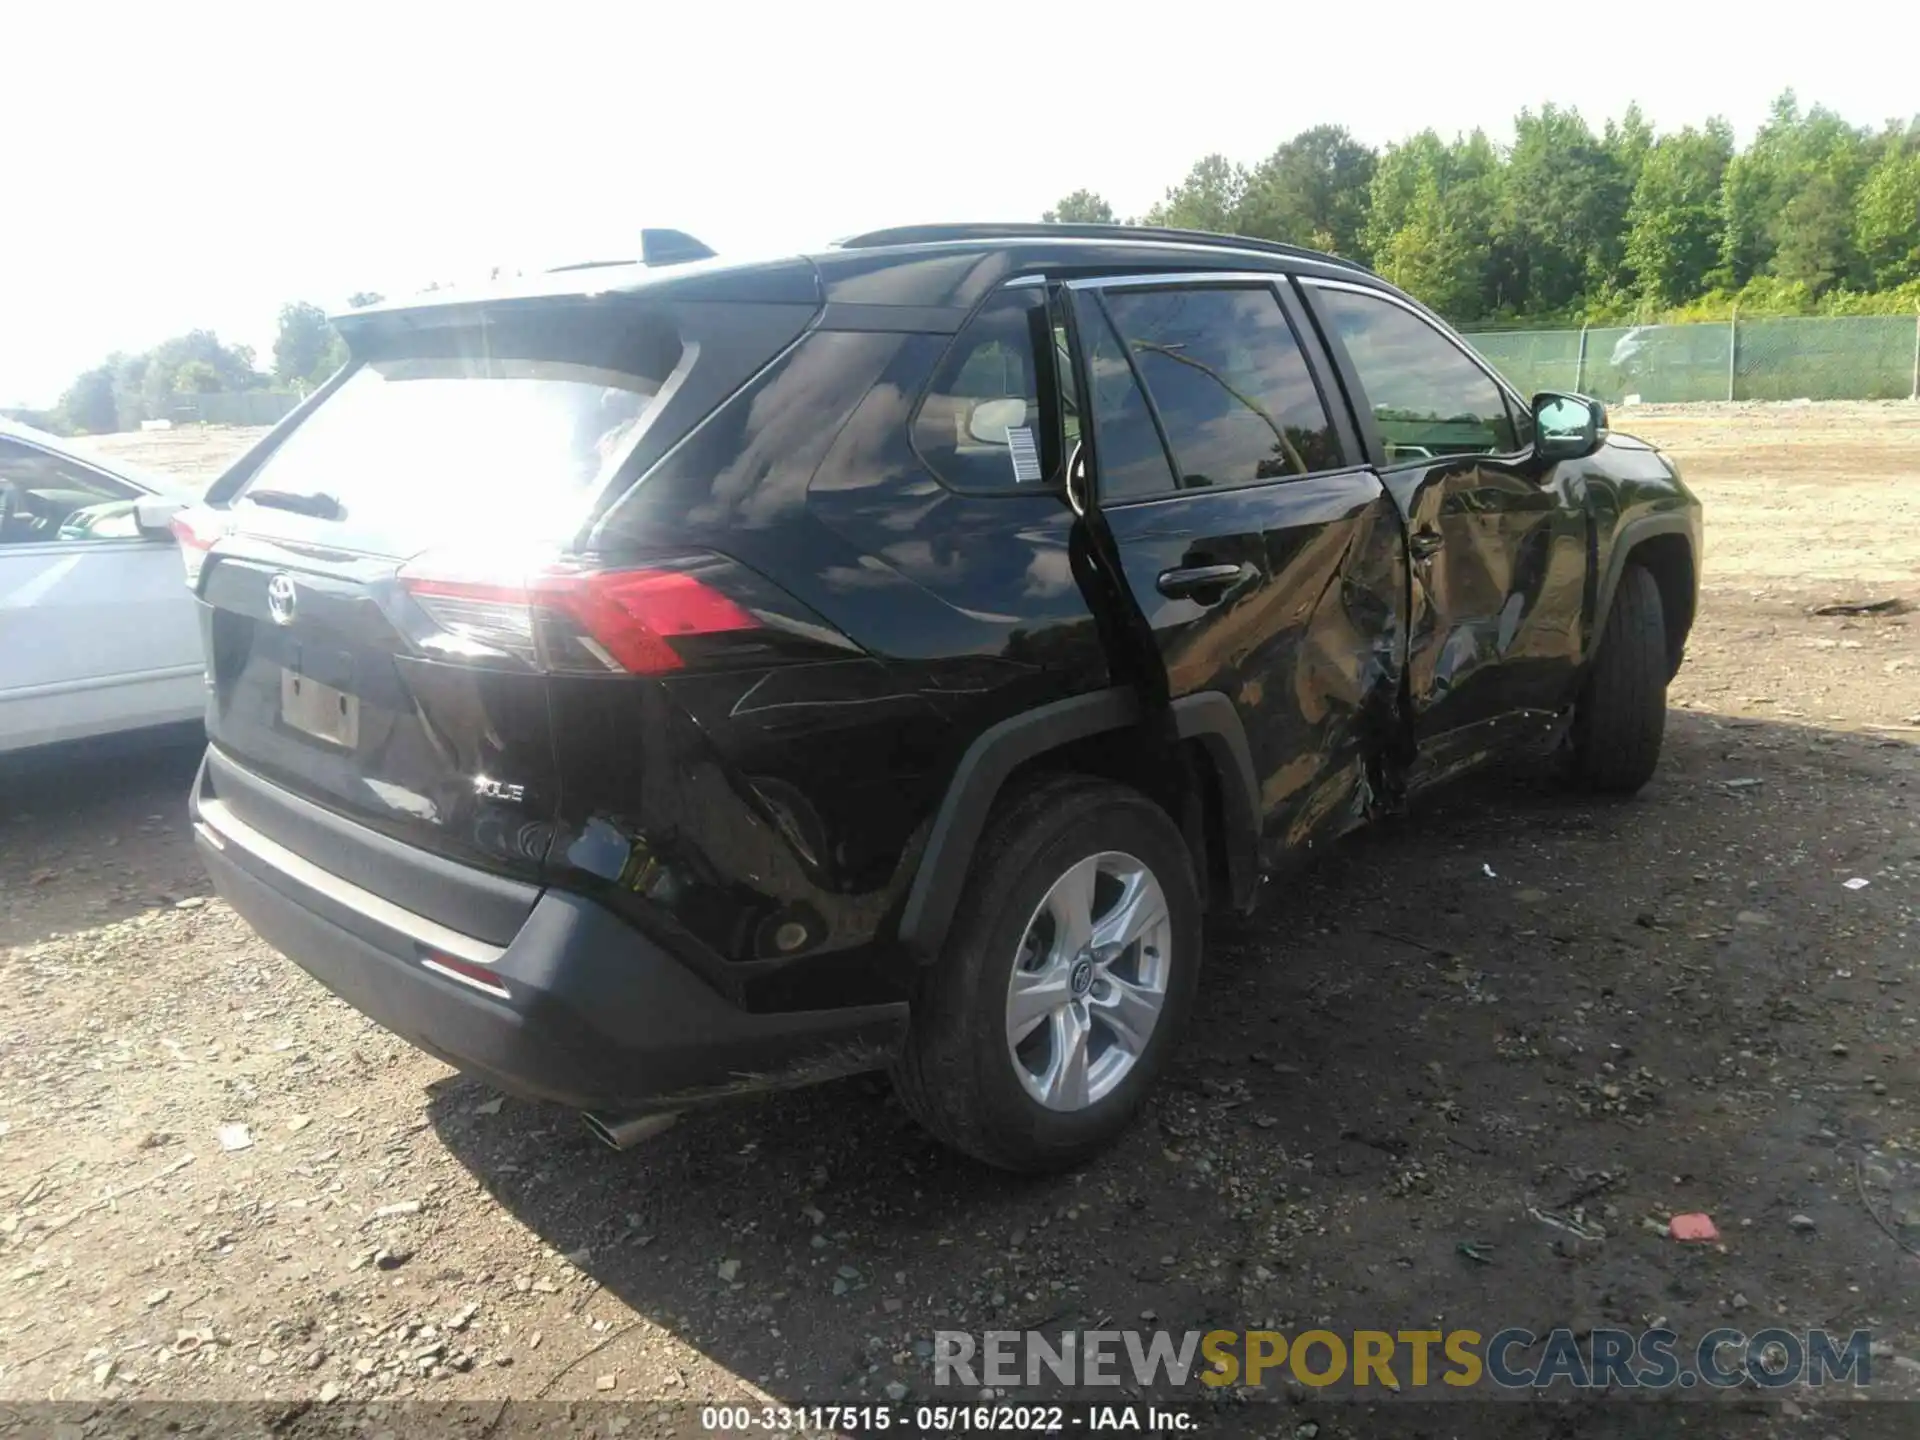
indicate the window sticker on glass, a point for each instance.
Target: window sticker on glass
{"x":1024,"y":454}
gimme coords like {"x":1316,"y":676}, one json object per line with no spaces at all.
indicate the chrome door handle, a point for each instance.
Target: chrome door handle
{"x":1207,"y":584}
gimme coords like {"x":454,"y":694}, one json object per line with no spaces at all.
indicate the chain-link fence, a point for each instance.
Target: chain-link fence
{"x":218,"y":407}
{"x":1848,"y":357}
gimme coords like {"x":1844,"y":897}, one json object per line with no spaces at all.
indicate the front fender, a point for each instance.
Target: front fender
{"x":1634,"y":495}
{"x":1628,"y":535}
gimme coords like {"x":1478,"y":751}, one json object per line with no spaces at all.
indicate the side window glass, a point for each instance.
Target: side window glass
{"x":1230,"y":383}
{"x":1133,"y":462}
{"x":1428,"y":398}
{"x":45,"y":497}
{"x":981,"y":424}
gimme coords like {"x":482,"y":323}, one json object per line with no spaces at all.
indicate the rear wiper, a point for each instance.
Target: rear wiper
{"x":318,"y":504}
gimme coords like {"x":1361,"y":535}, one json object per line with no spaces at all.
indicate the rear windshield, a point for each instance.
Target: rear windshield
{"x":489,"y":432}
{"x":441,"y":448}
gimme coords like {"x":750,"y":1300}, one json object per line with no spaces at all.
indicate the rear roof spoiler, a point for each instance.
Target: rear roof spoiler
{"x":657,"y":247}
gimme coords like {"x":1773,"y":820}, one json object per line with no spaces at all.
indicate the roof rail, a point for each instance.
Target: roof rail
{"x":930,"y":234}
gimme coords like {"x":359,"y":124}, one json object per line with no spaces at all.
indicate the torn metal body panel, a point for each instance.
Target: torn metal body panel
{"x":1309,"y":641}
{"x":1497,"y":618}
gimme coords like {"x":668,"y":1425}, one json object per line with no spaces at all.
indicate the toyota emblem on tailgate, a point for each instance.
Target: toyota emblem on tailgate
{"x":281,"y":598}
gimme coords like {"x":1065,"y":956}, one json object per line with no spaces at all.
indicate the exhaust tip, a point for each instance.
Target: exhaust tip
{"x":623,"y":1132}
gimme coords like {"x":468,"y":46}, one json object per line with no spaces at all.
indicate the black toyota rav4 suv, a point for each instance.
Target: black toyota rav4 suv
{"x":679,"y":678}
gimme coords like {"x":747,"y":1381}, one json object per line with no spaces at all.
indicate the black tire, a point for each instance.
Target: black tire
{"x":956,"y":1075}
{"x":1621,"y":714}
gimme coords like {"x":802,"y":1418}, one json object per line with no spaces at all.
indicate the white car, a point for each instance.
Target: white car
{"x":97,"y":633}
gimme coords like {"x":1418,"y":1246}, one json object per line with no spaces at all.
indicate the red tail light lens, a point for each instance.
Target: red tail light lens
{"x":196,"y":529}
{"x":631,"y":613}
{"x":572,"y":618}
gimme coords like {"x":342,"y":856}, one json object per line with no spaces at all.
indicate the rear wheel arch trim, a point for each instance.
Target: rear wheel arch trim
{"x":997,"y":752}
{"x":1209,"y":718}
{"x":1626,"y":540}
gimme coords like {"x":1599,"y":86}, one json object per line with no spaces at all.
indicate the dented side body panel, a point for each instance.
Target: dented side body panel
{"x":1497,"y":609}
{"x":1310,"y":648}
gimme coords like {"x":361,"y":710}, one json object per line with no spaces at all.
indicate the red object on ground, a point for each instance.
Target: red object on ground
{"x":1692,"y":1227}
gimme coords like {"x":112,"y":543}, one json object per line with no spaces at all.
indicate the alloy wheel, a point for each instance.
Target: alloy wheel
{"x":1089,"y":982}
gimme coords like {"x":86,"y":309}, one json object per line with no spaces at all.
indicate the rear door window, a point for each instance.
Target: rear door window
{"x":1229,"y":382}
{"x":1132,"y":462}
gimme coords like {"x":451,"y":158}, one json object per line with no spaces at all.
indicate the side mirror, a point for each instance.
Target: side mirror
{"x":154,"y":515}
{"x":1567,"y":427}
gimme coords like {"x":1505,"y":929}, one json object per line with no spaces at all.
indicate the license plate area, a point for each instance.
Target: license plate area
{"x":319,"y":710}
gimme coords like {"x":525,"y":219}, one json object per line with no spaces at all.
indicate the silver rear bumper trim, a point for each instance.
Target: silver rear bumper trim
{"x":223,"y":828}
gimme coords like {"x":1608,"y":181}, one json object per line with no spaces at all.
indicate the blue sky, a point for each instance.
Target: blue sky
{"x":198,"y":166}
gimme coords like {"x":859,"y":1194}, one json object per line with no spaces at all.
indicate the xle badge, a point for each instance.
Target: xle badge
{"x":490,"y":789}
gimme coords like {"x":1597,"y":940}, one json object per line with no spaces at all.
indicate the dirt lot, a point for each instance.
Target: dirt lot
{"x":1514,"y":1003}
{"x":197,"y":452}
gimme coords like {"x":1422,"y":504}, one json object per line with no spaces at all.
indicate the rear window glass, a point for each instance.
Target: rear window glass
{"x":510,"y":425}
{"x":984,"y":423}
{"x":438,"y":449}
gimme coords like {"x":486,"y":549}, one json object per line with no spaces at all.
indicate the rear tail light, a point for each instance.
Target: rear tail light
{"x":573,"y":618}
{"x":196,"y":529}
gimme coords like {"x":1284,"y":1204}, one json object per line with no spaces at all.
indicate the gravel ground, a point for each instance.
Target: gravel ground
{"x":193,"y":452}
{"x":218,"y":1182}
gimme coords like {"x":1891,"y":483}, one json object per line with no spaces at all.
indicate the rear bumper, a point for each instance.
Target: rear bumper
{"x":593,"y":1015}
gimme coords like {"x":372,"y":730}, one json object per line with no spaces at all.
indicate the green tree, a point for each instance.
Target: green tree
{"x":1754,"y":179}
{"x":1629,"y":140}
{"x":154,"y":375}
{"x":196,"y":377}
{"x":125,"y":389}
{"x":1789,"y":198}
{"x":1208,"y":199}
{"x":1433,"y":212}
{"x":1887,"y":216}
{"x":1813,"y":235}
{"x":1674,"y":221}
{"x":89,"y":406}
{"x":1082,"y":207}
{"x":301,"y":348}
{"x":1564,"y":210}
{"x":1311,"y":191}
{"x":360,"y":299}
